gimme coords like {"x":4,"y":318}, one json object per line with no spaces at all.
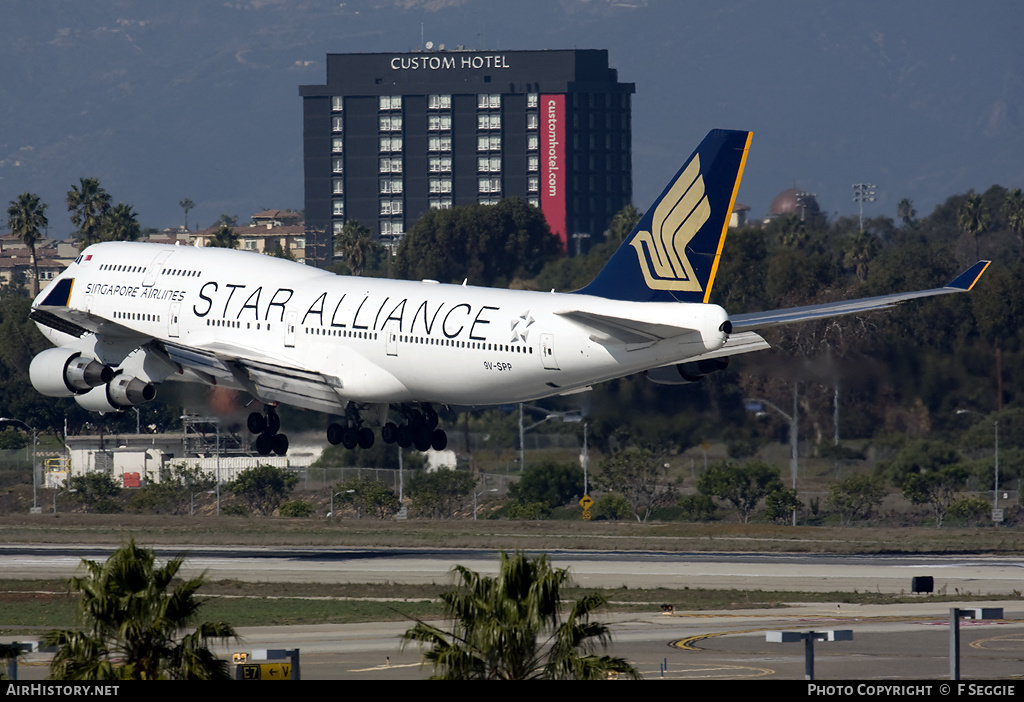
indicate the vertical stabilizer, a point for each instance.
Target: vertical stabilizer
{"x":673,"y":252}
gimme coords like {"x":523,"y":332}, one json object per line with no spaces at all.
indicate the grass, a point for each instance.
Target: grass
{"x":29,"y":607}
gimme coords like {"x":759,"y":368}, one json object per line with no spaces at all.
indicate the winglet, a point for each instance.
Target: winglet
{"x":967,"y":279}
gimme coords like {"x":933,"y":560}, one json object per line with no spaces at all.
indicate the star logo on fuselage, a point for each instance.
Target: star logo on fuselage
{"x":520,"y":327}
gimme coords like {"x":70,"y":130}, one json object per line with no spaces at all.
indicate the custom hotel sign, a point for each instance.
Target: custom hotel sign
{"x":552,"y":158}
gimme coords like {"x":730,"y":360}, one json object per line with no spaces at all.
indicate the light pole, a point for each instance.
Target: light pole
{"x":863,"y":192}
{"x":793,"y":432}
{"x":995,"y":484}
{"x":567,"y":416}
{"x":8,"y":422}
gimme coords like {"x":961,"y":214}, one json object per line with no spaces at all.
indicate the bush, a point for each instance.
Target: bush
{"x":613,"y":506}
{"x":295,"y":508}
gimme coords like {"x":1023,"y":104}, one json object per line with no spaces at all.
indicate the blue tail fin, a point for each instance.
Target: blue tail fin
{"x":672,"y":254}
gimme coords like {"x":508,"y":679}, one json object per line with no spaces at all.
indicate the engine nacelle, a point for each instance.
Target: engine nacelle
{"x":683,"y":373}
{"x":63,"y":372}
{"x":122,"y":392}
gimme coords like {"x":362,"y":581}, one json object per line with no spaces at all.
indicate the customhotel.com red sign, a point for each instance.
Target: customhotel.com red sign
{"x":553,"y":172}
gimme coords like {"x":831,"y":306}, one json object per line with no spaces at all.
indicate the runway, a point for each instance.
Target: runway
{"x":984,"y":575}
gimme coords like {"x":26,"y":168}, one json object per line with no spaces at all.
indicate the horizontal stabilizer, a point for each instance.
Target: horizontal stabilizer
{"x":762,"y":320}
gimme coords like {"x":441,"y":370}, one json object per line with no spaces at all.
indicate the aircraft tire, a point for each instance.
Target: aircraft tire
{"x":273,"y":422}
{"x":404,"y":437}
{"x":421,"y":438}
{"x":263,"y":445}
{"x":431,"y":418}
{"x":334,"y":433}
{"x":256,"y":423}
{"x":365,"y":438}
{"x":350,"y":438}
{"x":389,"y":432}
{"x":439,"y":440}
{"x":279,"y":442}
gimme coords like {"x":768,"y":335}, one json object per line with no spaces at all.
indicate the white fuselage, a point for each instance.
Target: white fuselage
{"x":371,"y":340}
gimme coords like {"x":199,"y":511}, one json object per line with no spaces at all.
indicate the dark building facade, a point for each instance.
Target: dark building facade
{"x":392,"y":135}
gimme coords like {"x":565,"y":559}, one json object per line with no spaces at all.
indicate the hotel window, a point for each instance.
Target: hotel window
{"x":532,"y":142}
{"x":339,"y":208}
{"x":488,"y":102}
{"x":391,"y":185}
{"x":488,"y":120}
{"x":337,"y":124}
{"x":337,"y":103}
{"x":390,"y":144}
{"x":531,"y":99}
{"x":390,"y":102}
{"x":439,"y":123}
{"x":390,"y":123}
{"x":439,"y":143}
{"x":532,"y":163}
{"x":439,"y":102}
{"x":391,"y":206}
{"x":489,"y":164}
{"x":489,"y":185}
{"x":488,"y":143}
{"x":440,"y":203}
{"x":337,"y":145}
{"x":338,"y":186}
{"x":533,"y":184}
{"x":391,"y":227}
{"x":338,"y":226}
{"x":440,"y":164}
{"x":390,"y":165}
{"x":250,"y":245}
{"x":299,"y":242}
{"x":488,"y":200}
{"x":338,"y":165}
{"x":440,"y":185}
{"x":535,"y":201}
{"x":532,"y":120}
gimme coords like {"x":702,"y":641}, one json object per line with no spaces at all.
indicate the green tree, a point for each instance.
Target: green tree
{"x":551,"y":484}
{"x":223,"y":238}
{"x":742,"y":486}
{"x":973,"y":218}
{"x":134,"y":620}
{"x":356,"y":246}
{"x":96,"y":490}
{"x":175,"y":492}
{"x":186,"y":204}
{"x":439,"y":493}
{"x":88,"y":204}
{"x":937,"y":489}
{"x":641,"y":477}
{"x":855,"y":497}
{"x":510,"y":627}
{"x":26,"y":217}
{"x":264,"y":487}
{"x":781,"y":503}
{"x":368,"y":496}
{"x":120,"y":223}
{"x":488,"y":244}
{"x":906,"y":212}
{"x":1012,"y":210}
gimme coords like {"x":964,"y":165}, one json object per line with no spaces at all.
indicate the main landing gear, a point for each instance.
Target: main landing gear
{"x":267,"y":427}
{"x":418,"y":428}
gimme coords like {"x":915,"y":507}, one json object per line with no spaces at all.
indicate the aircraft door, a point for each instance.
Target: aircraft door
{"x":172,"y":330}
{"x":391,"y":335}
{"x":547,"y":351}
{"x":289,"y":330}
{"x":155,"y":267}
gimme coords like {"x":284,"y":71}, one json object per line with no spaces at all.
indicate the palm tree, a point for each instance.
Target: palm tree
{"x":1013,"y":211}
{"x":973,"y":218}
{"x":121,"y":224}
{"x":134,"y":624}
{"x":223,"y":238}
{"x":186,"y":205}
{"x":498,"y":624}
{"x":88,"y":204}
{"x":906,"y":212}
{"x":356,"y":246}
{"x":27,"y":217}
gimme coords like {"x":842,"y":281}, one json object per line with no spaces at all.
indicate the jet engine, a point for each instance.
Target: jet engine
{"x":122,"y":392}
{"x":63,"y":372}
{"x":689,"y":372}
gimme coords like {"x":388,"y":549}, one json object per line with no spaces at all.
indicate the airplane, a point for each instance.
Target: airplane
{"x":126,"y":317}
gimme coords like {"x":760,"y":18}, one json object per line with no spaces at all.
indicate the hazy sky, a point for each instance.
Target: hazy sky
{"x":199,"y":98}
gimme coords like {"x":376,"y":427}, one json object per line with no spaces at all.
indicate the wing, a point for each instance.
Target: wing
{"x":762,"y":320}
